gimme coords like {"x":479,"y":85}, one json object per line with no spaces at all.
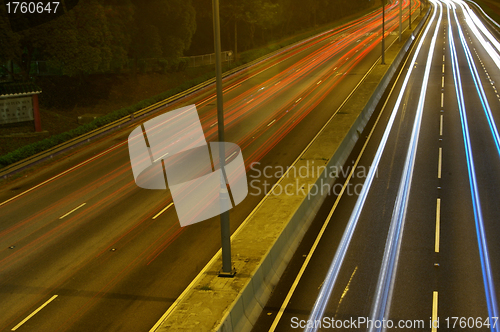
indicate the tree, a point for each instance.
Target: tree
{"x":165,"y":28}
{"x":79,"y":40}
{"x":120,"y":21}
{"x":203,"y":38}
{"x":9,"y":41}
{"x":262,"y":14}
{"x":233,"y":11}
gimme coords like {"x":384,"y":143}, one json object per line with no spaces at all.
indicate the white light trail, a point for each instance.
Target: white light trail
{"x":387,"y":276}
{"x":331,"y":277}
{"x":478,"y":85}
{"x":489,"y":286}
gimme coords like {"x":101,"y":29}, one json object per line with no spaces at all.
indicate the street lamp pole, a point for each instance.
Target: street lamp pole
{"x":227,"y":270}
{"x":410,"y":15}
{"x":400,"y":19}
{"x":383,"y":30}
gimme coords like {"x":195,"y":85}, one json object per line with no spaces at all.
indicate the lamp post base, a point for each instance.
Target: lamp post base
{"x":230,"y":274}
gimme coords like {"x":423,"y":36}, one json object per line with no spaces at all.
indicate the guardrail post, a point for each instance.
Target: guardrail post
{"x":36,"y":114}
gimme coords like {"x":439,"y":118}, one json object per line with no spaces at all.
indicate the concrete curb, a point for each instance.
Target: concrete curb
{"x":264,"y":244}
{"x":254,"y":297}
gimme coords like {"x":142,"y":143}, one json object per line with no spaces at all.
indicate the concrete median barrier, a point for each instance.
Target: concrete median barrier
{"x":265,"y":242}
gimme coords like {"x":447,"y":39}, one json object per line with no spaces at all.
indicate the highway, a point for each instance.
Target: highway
{"x":84,"y":249}
{"x":415,"y":248}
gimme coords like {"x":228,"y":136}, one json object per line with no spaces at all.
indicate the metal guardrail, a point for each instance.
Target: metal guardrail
{"x":49,"y":153}
{"x":46,"y":68}
{"x":207,"y":59}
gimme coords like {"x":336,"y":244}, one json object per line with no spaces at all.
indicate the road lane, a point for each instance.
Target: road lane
{"x":441,"y":270}
{"x":114,"y":267}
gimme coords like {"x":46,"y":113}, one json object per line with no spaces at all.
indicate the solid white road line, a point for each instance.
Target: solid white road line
{"x":440,"y":162}
{"x":434,"y":311}
{"x":62,"y":173}
{"x":165,"y":209}
{"x":323,"y":228}
{"x":33,"y":313}
{"x":232,"y":154}
{"x":72,"y":211}
{"x":438,"y":224}
{"x":161,"y":157}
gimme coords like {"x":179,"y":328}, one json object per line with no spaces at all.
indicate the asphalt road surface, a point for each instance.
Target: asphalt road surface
{"x":82,"y":248}
{"x":416,"y":246}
